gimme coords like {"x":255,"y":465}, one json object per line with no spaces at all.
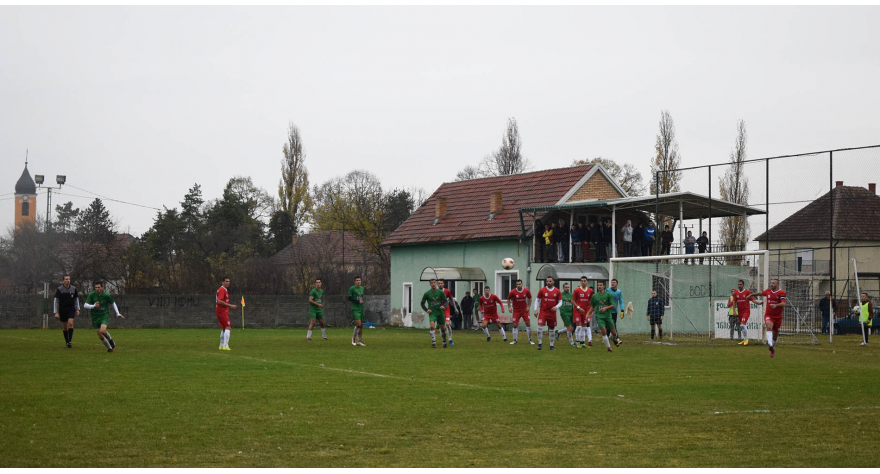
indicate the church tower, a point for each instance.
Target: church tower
{"x":25,"y":200}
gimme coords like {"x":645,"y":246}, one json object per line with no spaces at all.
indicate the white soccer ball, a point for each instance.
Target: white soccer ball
{"x":507,"y":263}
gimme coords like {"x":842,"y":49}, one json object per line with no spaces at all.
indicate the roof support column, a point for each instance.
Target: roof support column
{"x":570,"y":246}
{"x":681,"y":226}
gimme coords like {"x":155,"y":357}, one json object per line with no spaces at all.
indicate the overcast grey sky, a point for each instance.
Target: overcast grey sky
{"x":138,"y":104}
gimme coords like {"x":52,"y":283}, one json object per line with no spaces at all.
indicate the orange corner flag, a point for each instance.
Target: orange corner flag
{"x":242,"y":301}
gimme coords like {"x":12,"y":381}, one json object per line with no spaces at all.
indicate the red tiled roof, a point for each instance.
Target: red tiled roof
{"x":467,"y":206}
{"x":856,"y":217}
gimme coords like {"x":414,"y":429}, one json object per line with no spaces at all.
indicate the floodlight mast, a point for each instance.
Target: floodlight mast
{"x":40,"y":180}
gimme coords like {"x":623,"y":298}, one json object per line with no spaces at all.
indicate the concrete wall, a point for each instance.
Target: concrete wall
{"x":196,"y":311}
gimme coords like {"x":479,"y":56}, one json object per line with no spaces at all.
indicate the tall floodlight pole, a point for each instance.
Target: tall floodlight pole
{"x":40,"y":179}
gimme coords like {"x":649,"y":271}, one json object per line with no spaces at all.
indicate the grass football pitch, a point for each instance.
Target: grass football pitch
{"x":171,"y":398}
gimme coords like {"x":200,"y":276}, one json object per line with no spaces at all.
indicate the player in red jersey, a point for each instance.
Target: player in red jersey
{"x":450,"y":300}
{"x":223,"y":313}
{"x":775,"y":300}
{"x":518,"y":302}
{"x":490,"y":313}
{"x":549,"y":300}
{"x":583,"y":313}
{"x":743,"y":298}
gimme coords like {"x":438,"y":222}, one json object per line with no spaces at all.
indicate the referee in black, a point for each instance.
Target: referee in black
{"x":66,"y":306}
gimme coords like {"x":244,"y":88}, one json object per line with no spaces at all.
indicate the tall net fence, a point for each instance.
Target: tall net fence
{"x":818,"y":213}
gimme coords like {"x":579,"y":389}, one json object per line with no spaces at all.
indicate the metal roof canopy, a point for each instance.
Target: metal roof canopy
{"x":693,"y":206}
{"x":567,"y":271}
{"x":453,"y":274}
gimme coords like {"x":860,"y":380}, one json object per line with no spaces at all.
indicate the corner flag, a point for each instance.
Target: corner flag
{"x":242,"y":311}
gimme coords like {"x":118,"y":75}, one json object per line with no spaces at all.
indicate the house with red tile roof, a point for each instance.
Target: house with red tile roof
{"x":847,"y":218}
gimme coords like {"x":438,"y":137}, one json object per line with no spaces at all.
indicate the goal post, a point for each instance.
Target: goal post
{"x":696,"y":294}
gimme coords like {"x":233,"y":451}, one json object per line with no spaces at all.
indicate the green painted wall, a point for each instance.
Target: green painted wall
{"x":690,"y":283}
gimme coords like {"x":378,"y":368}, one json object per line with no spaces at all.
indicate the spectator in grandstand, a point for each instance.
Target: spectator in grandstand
{"x":639,"y":240}
{"x":584,"y":236}
{"x":825,"y":305}
{"x":578,"y":255}
{"x":650,"y":236}
{"x":703,"y":245}
{"x":656,"y":308}
{"x":561,"y":234}
{"x":549,"y":251}
{"x":600,"y":241}
{"x":539,"y":233}
{"x":666,"y":239}
{"x":594,"y":240}
{"x":467,"y":309}
{"x":609,"y":239}
{"x":627,"y":233}
{"x":689,"y":247}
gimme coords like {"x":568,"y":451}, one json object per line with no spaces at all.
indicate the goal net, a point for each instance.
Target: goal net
{"x":695,"y":292}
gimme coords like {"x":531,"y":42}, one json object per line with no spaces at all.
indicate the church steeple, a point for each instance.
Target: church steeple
{"x":25,"y":199}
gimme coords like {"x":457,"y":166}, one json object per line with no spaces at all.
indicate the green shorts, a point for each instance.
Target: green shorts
{"x":566,"y":319}
{"x":605,"y":322}
{"x":98,"y":321}
{"x":316,"y":315}
{"x":357,"y":314}
{"x":437,"y":316}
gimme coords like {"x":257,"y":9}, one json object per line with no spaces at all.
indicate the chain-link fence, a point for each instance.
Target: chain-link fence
{"x":821,"y":222}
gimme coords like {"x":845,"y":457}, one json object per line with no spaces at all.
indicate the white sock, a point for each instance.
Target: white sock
{"x":486,"y":331}
{"x":309,"y":334}
{"x":515,"y":333}
{"x":605,"y":340}
{"x":226,"y":339}
{"x":361,"y":335}
{"x":570,"y":338}
{"x":541,"y":334}
{"x":323,"y":332}
{"x":552,"y":335}
{"x":433,"y":337}
{"x":529,"y":332}
{"x":744,"y":333}
{"x":589,"y":332}
{"x":770,"y":338}
{"x":222,"y":337}
{"x":106,"y":343}
{"x":501,"y":330}
{"x":355,"y":333}
{"x":108,"y":336}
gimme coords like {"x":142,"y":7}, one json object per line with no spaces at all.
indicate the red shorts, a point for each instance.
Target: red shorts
{"x":549,"y":320}
{"x":744,"y":318}
{"x":524,"y":314}
{"x":581,"y":317}
{"x":223,"y":319}
{"x":776,"y":320}
{"x":491,"y":318}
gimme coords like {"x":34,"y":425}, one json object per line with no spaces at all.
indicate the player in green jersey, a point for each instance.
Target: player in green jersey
{"x":436,"y":308}
{"x":100,"y":302}
{"x":356,"y":296}
{"x":602,"y":304}
{"x":566,"y":312}
{"x":316,"y":310}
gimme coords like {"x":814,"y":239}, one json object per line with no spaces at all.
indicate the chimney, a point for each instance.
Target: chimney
{"x":440,"y":208}
{"x":495,"y":202}
{"x":839,"y":184}
{"x":873,"y":188}
{"x":294,"y":239}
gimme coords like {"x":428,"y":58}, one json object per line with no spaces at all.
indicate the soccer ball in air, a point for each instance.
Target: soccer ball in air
{"x":507,"y":263}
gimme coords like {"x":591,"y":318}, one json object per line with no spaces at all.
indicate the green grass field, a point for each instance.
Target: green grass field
{"x":170,"y":398}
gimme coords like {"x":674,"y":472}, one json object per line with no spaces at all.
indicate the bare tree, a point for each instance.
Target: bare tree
{"x":666,"y":160}
{"x":508,"y":159}
{"x":627,"y":176}
{"x":469,"y":172}
{"x":293,"y":188}
{"x":734,"y":186}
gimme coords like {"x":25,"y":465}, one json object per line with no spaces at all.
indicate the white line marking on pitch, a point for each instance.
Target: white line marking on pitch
{"x":789,"y":410}
{"x":371,"y":374}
